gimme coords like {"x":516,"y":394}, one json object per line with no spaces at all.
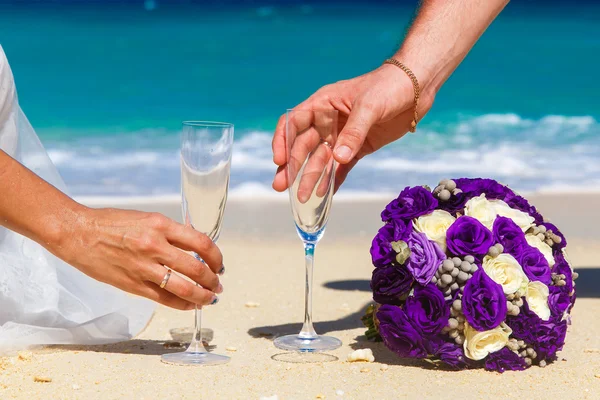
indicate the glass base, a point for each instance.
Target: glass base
{"x":194,"y":358}
{"x":296,"y":343}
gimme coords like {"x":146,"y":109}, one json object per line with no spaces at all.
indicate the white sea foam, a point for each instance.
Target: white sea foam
{"x":554,"y":153}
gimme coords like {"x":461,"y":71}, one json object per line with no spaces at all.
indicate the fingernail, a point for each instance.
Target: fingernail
{"x":343,"y":152}
{"x":222,"y":270}
{"x":219,"y":289}
{"x":214,"y":301}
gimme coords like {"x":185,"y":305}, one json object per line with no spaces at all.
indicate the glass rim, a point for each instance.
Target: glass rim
{"x":311,"y":110}
{"x":208,"y":124}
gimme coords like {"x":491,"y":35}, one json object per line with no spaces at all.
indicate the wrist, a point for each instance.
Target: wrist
{"x":57,"y":229}
{"x":426,"y":75}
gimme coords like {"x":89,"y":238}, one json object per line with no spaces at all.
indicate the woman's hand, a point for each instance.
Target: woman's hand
{"x":132,"y":251}
{"x":374,"y":109}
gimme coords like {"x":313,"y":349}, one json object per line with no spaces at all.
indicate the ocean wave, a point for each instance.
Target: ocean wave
{"x":553,"y":153}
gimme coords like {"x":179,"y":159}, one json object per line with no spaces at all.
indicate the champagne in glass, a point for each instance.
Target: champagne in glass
{"x":310,"y":138}
{"x":206,"y":149}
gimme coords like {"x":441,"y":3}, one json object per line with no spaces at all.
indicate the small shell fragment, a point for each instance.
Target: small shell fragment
{"x":231,"y":348}
{"x":43,"y":379}
{"x":25,"y":355}
{"x":361,"y":355}
{"x":252,"y":304}
{"x":320,"y":396}
{"x":365,"y":370}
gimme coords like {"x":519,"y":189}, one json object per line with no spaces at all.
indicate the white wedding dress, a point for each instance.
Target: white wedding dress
{"x":43,"y":300}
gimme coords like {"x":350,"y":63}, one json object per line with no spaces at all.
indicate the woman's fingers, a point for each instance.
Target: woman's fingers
{"x":193,"y":268}
{"x":187,"y":238}
{"x":153,"y":292}
{"x":182,"y":288}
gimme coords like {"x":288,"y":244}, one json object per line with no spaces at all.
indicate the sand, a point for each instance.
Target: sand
{"x":265,"y":265}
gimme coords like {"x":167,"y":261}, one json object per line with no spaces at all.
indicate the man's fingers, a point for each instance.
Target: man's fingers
{"x":279,"y":147}
{"x":280,"y":182}
{"x":193,"y":268}
{"x":315,"y":173}
{"x":342,"y":172}
{"x":187,"y":238}
{"x":353,"y":135}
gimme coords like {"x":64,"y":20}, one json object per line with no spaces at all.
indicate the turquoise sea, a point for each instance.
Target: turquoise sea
{"x":107,"y":83}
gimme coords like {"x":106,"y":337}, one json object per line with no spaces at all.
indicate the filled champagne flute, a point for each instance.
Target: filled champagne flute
{"x":206,"y":149}
{"x":310,"y":139}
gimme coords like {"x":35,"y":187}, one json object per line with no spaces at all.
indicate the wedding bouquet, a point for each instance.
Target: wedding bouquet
{"x":470,"y":275}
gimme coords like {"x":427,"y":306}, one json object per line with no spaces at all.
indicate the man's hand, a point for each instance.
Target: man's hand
{"x":374,"y":110}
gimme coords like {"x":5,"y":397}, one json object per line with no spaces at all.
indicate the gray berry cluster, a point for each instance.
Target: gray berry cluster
{"x":558,"y":279}
{"x":445,"y":189}
{"x":514,"y":302}
{"x":545,"y":235}
{"x":495,"y":250}
{"x":453,"y":274}
{"x":524,"y":351}
{"x":456,"y":324}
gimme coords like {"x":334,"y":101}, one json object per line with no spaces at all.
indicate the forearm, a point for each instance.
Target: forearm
{"x":441,"y":36}
{"x":32,"y":207}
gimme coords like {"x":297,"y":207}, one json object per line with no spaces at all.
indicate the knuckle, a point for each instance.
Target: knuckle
{"x":353,"y":135}
{"x":203,"y":241}
{"x":186,"y":291}
{"x":148,"y":243}
{"x":157,"y":221}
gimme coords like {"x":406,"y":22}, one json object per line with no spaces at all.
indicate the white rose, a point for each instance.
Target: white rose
{"x":505,"y":270}
{"x":479,"y":344}
{"x":482,"y":210}
{"x":523,"y":220}
{"x":537,"y":298}
{"x":435,"y":226}
{"x":486,"y":211}
{"x":546,"y":250}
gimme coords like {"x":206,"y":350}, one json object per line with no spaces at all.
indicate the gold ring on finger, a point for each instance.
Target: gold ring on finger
{"x":166,"y":278}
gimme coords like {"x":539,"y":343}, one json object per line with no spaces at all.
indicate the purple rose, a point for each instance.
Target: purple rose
{"x":477,"y":186}
{"x":520,"y":203}
{"x":452,"y":354}
{"x":411,"y":203}
{"x":509,"y":235}
{"x":484,"y":303}
{"x":399,"y":334}
{"x":427,"y":309}
{"x":381,"y":249}
{"x":558,"y":300}
{"x":550,"y":338}
{"x":389,"y":284}
{"x":535,"y":265}
{"x":455,"y":204}
{"x":525,"y":324}
{"x":468,"y":236}
{"x":504,"y":360}
{"x":425,"y":257}
{"x":554,"y":229}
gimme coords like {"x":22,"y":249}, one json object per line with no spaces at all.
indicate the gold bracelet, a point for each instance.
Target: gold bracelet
{"x":415,"y":82}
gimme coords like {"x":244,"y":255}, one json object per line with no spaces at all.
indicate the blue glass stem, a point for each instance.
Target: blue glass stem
{"x":308,"y":331}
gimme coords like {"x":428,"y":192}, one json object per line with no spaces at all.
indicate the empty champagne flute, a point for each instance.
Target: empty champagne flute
{"x":310,"y":138}
{"x":206,"y":149}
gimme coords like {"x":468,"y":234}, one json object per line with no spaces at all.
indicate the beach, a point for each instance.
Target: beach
{"x":265,"y":270}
